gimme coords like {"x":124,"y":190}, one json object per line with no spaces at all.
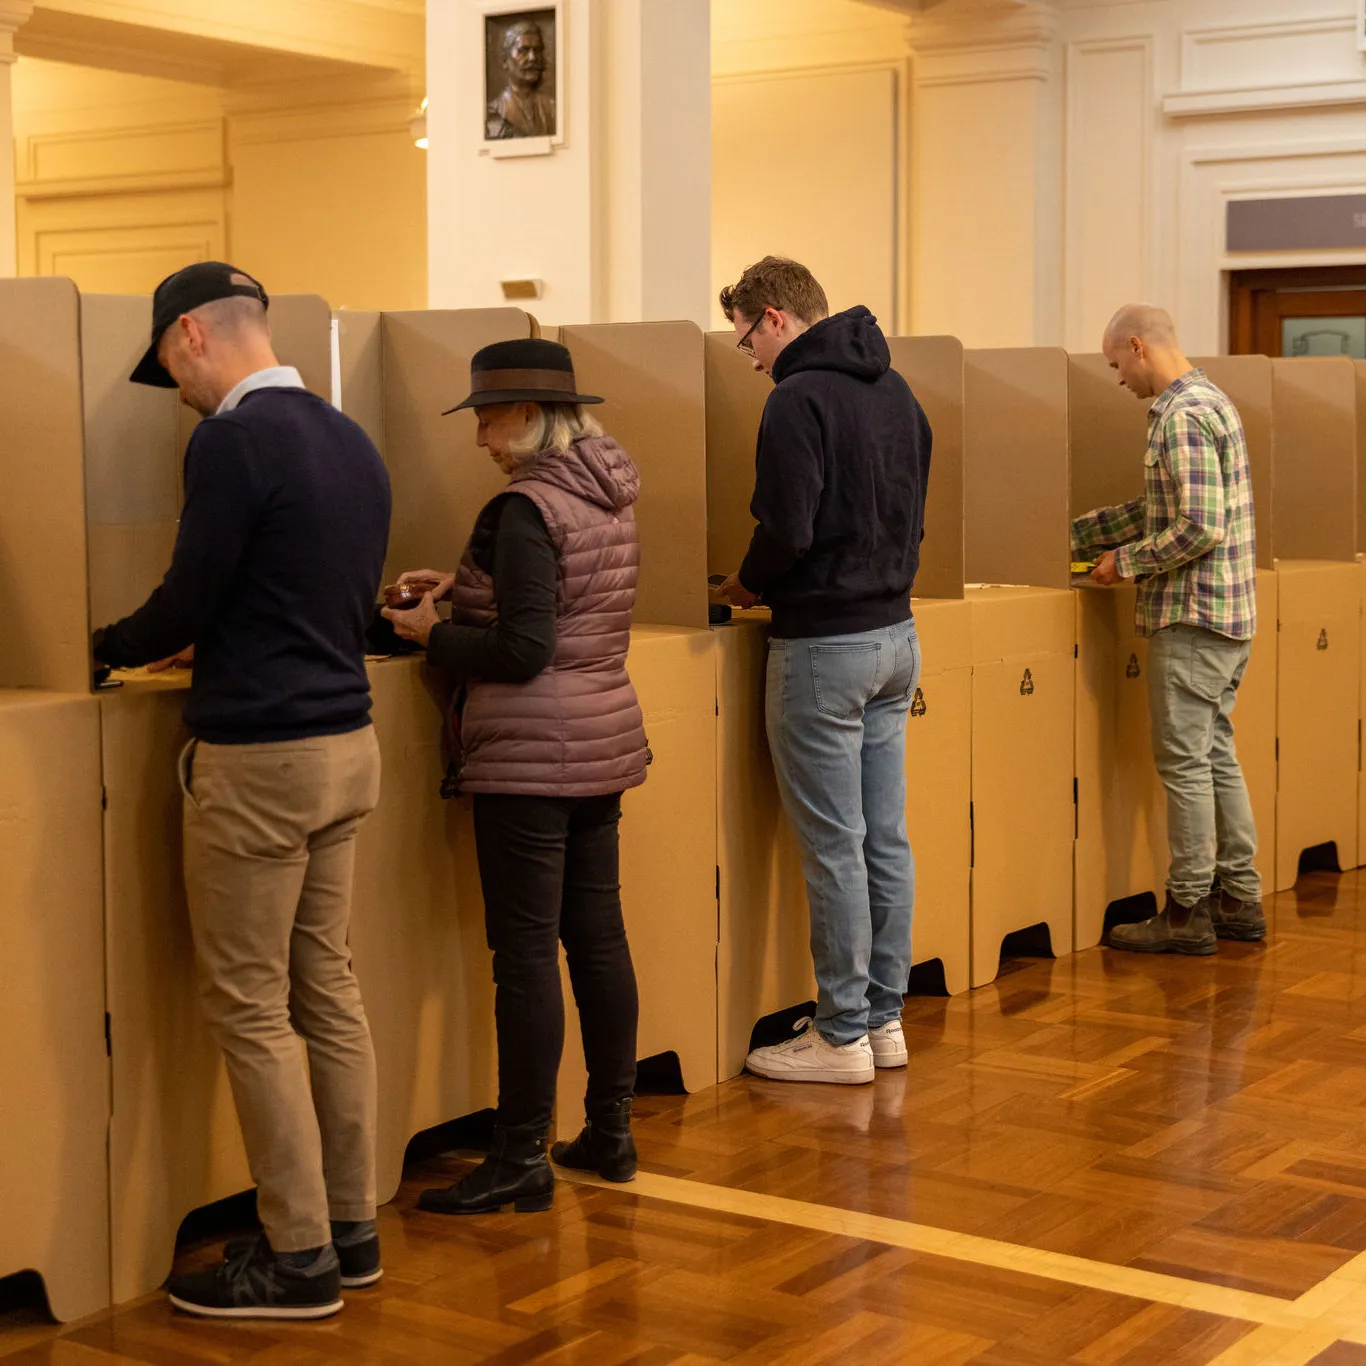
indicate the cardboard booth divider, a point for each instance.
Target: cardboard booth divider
{"x":440,"y":477}
{"x":1023,"y":690}
{"x":1314,"y":413}
{"x":45,"y":628}
{"x":359,"y":369}
{"x":653,"y":378}
{"x":1361,"y":456}
{"x":1254,"y":724}
{"x":939,"y":789}
{"x":933,"y":367}
{"x":736,"y":394}
{"x":668,"y":867}
{"x":54,"y":1082}
{"x":1016,"y":485}
{"x":1318,"y":712}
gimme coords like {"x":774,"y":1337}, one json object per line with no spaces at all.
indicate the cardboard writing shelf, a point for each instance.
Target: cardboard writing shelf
{"x":763,"y":962}
{"x":54,"y":1085}
{"x":45,"y":628}
{"x":439,"y":476}
{"x":652,"y":376}
{"x":736,"y":394}
{"x":1023,"y":715}
{"x":1016,"y":467}
{"x":1317,"y":708}
{"x":668,"y":867}
{"x":939,"y":790}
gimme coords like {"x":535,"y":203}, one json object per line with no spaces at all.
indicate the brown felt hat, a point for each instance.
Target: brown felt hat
{"x":529,"y":371}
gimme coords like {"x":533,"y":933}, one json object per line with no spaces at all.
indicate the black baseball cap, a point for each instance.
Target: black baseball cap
{"x":205,"y":282}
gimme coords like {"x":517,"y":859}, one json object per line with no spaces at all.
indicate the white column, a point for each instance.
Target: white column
{"x":614,"y":216}
{"x":13,"y":14}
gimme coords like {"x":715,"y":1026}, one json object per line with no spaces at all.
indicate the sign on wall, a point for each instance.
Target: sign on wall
{"x":1302,"y":223}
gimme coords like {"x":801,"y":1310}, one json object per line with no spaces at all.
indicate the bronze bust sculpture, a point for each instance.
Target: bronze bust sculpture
{"x":523,"y":110}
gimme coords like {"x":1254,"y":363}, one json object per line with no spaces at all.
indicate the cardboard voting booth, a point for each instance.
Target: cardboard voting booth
{"x":1121,"y":803}
{"x":45,"y":630}
{"x":668,"y":867}
{"x":1314,"y":541}
{"x":54,"y":1081}
{"x":1023,"y":640}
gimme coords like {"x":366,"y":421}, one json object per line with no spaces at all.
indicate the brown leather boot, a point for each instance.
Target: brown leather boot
{"x":1234,"y":919}
{"x":1174,"y":929}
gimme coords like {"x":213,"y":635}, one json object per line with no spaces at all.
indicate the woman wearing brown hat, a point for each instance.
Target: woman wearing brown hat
{"x":550,"y":737}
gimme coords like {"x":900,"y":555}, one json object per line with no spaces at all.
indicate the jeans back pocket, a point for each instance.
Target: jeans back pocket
{"x":844,"y":677}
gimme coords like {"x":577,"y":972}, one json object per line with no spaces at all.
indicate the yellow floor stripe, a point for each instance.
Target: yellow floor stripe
{"x":1290,"y":1332}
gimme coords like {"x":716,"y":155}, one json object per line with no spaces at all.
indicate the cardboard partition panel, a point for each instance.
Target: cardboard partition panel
{"x":1016,"y":492}
{"x":764,"y":957}
{"x":360,"y":370}
{"x":653,"y":377}
{"x":54,"y":1082}
{"x":440,"y":477}
{"x":1361,"y":775}
{"x":736,"y":394}
{"x":45,"y":628}
{"x":1315,"y":456}
{"x":417,"y":930}
{"x":1121,"y":841}
{"x":174,"y":1142}
{"x":939,"y":790}
{"x":1361,"y":456}
{"x":668,"y":867}
{"x":1023,"y":691}
{"x":1318,"y":709}
{"x":933,"y":367}
{"x":1254,"y":724}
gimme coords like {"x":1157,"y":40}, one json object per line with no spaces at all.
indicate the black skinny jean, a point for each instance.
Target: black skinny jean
{"x":549,"y":869}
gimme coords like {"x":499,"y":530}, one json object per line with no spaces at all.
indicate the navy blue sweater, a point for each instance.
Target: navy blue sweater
{"x":839,"y":495}
{"x":275,"y":574}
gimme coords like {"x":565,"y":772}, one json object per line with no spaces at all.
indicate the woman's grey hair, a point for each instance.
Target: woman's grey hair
{"x":560,"y":425}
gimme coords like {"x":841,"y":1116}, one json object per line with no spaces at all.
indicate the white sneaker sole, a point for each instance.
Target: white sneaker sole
{"x":312,"y":1311}
{"x":361,"y":1282}
{"x":830,"y":1076}
{"x":897,"y":1059}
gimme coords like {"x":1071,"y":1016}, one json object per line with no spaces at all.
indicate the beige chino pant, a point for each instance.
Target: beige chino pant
{"x":270,"y":841}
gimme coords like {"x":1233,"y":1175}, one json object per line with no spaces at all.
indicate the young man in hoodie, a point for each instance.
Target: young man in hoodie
{"x":841,"y":471}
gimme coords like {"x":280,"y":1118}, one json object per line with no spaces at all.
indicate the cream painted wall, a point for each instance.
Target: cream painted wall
{"x":123,"y":178}
{"x":810,"y":132}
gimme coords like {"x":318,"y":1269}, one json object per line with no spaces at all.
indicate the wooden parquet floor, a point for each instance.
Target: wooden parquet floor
{"x":1107,"y":1160}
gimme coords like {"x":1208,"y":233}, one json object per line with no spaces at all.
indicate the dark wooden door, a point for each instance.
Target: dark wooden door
{"x":1318,"y":311}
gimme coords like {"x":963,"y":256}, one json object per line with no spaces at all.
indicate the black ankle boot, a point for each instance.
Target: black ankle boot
{"x":514,"y":1173}
{"x":605,"y":1145}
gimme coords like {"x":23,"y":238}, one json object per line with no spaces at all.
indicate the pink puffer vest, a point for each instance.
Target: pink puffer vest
{"x":574,"y":730}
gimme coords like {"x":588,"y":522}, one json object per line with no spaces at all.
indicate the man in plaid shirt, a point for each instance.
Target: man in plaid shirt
{"x":1190,"y":543}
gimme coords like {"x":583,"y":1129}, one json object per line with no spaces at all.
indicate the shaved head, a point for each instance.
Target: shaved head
{"x":233,"y":316}
{"x":1151,"y":325}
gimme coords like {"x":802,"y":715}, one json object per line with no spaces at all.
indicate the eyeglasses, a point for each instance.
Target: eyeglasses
{"x":744,"y":345}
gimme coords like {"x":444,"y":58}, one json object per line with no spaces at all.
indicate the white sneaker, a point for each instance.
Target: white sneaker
{"x":808,"y":1057}
{"x":889,"y":1045}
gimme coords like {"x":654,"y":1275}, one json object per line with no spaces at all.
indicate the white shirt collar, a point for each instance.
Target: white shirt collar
{"x":273,"y":377}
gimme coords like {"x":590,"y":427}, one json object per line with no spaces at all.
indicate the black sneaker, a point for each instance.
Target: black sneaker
{"x":261,"y":1284}
{"x":357,"y":1248}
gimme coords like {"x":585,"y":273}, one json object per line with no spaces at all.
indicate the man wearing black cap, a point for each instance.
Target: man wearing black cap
{"x":273,"y":581}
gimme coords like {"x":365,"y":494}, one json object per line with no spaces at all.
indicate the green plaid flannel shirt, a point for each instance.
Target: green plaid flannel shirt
{"x":1191,"y":540}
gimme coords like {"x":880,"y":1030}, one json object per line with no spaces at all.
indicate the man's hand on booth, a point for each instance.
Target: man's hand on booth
{"x":183,"y":660}
{"x":1106,"y":573}
{"x":736,"y":593}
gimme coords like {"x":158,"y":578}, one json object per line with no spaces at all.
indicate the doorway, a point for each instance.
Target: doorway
{"x":1314,"y":311}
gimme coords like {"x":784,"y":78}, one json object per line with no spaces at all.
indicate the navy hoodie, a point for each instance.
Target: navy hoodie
{"x":841,"y":472}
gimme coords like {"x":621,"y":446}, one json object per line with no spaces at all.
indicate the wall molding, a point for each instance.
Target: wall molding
{"x":1257,"y":99}
{"x":979,"y":49}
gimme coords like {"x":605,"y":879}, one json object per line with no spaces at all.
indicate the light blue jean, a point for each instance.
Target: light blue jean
{"x":1193,"y":678}
{"x":836,"y":711}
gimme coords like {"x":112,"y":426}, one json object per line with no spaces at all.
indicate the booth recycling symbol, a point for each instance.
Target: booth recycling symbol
{"x":1027,"y":684}
{"x":1323,"y":639}
{"x":1133,"y":670}
{"x":918,"y":707}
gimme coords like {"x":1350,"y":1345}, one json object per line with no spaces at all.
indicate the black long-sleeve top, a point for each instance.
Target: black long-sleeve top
{"x":510,"y":543}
